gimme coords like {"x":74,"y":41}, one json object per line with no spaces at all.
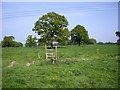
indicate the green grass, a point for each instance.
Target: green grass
{"x":77,"y":67}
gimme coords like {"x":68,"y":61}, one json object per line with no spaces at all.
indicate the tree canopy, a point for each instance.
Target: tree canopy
{"x":52,"y":27}
{"x":92,"y":41}
{"x":79,"y":34}
{"x":8,"y":41}
{"x":118,"y":35}
{"x":31,"y":41}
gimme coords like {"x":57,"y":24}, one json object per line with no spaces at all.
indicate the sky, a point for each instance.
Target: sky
{"x":59,"y":0}
{"x":99,"y":18}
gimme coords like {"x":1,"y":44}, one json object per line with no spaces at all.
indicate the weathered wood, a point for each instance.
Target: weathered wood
{"x":51,"y":53}
{"x":97,"y":50}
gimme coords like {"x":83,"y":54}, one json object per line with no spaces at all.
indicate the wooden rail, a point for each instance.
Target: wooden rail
{"x":51,"y":53}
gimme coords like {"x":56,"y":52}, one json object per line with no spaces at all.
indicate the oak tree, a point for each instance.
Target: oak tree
{"x":52,"y":27}
{"x":79,"y":34}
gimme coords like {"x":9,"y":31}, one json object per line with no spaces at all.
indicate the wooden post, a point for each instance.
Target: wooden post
{"x":45,"y":52}
{"x":97,"y":50}
{"x":38,"y":55}
{"x":56,"y":52}
{"x":53,"y":61}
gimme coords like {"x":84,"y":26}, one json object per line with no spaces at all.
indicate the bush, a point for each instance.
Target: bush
{"x":91,"y":41}
{"x":100,"y":43}
{"x":8,"y":42}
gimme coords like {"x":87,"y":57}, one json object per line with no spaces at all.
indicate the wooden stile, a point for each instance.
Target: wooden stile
{"x":51,"y":53}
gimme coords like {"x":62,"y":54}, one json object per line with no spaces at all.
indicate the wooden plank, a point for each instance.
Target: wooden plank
{"x":51,"y":53}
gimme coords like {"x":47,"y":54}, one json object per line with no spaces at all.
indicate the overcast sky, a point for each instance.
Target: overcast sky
{"x":99,"y":18}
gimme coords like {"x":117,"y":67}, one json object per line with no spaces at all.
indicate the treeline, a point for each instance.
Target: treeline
{"x":107,"y":43}
{"x":8,"y":41}
{"x":52,"y":27}
{"x":32,"y":41}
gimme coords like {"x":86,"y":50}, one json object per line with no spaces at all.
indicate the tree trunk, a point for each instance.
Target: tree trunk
{"x":78,"y":43}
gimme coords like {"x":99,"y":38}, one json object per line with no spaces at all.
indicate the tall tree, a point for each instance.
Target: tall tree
{"x":79,"y":34}
{"x":52,"y":27}
{"x":31,"y":41}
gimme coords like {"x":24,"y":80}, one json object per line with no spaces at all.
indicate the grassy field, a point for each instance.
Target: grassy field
{"x":77,"y":67}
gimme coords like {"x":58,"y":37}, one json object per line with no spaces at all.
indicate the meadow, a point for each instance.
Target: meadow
{"x":87,"y":66}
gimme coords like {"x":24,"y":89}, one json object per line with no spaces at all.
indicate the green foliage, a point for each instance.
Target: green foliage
{"x":18,"y":44}
{"x":109,"y":43}
{"x":92,"y":41}
{"x":65,"y":42}
{"x":52,"y":27}
{"x":118,"y":34}
{"x":100,"y":43}
{"x":8,"y":41}
{"x":80,"y":34}
{"x":31,"y":41}
{"x":77,"y":67}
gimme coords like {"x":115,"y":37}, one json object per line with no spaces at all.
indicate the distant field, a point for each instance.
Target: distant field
{"x":77,"y":67}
